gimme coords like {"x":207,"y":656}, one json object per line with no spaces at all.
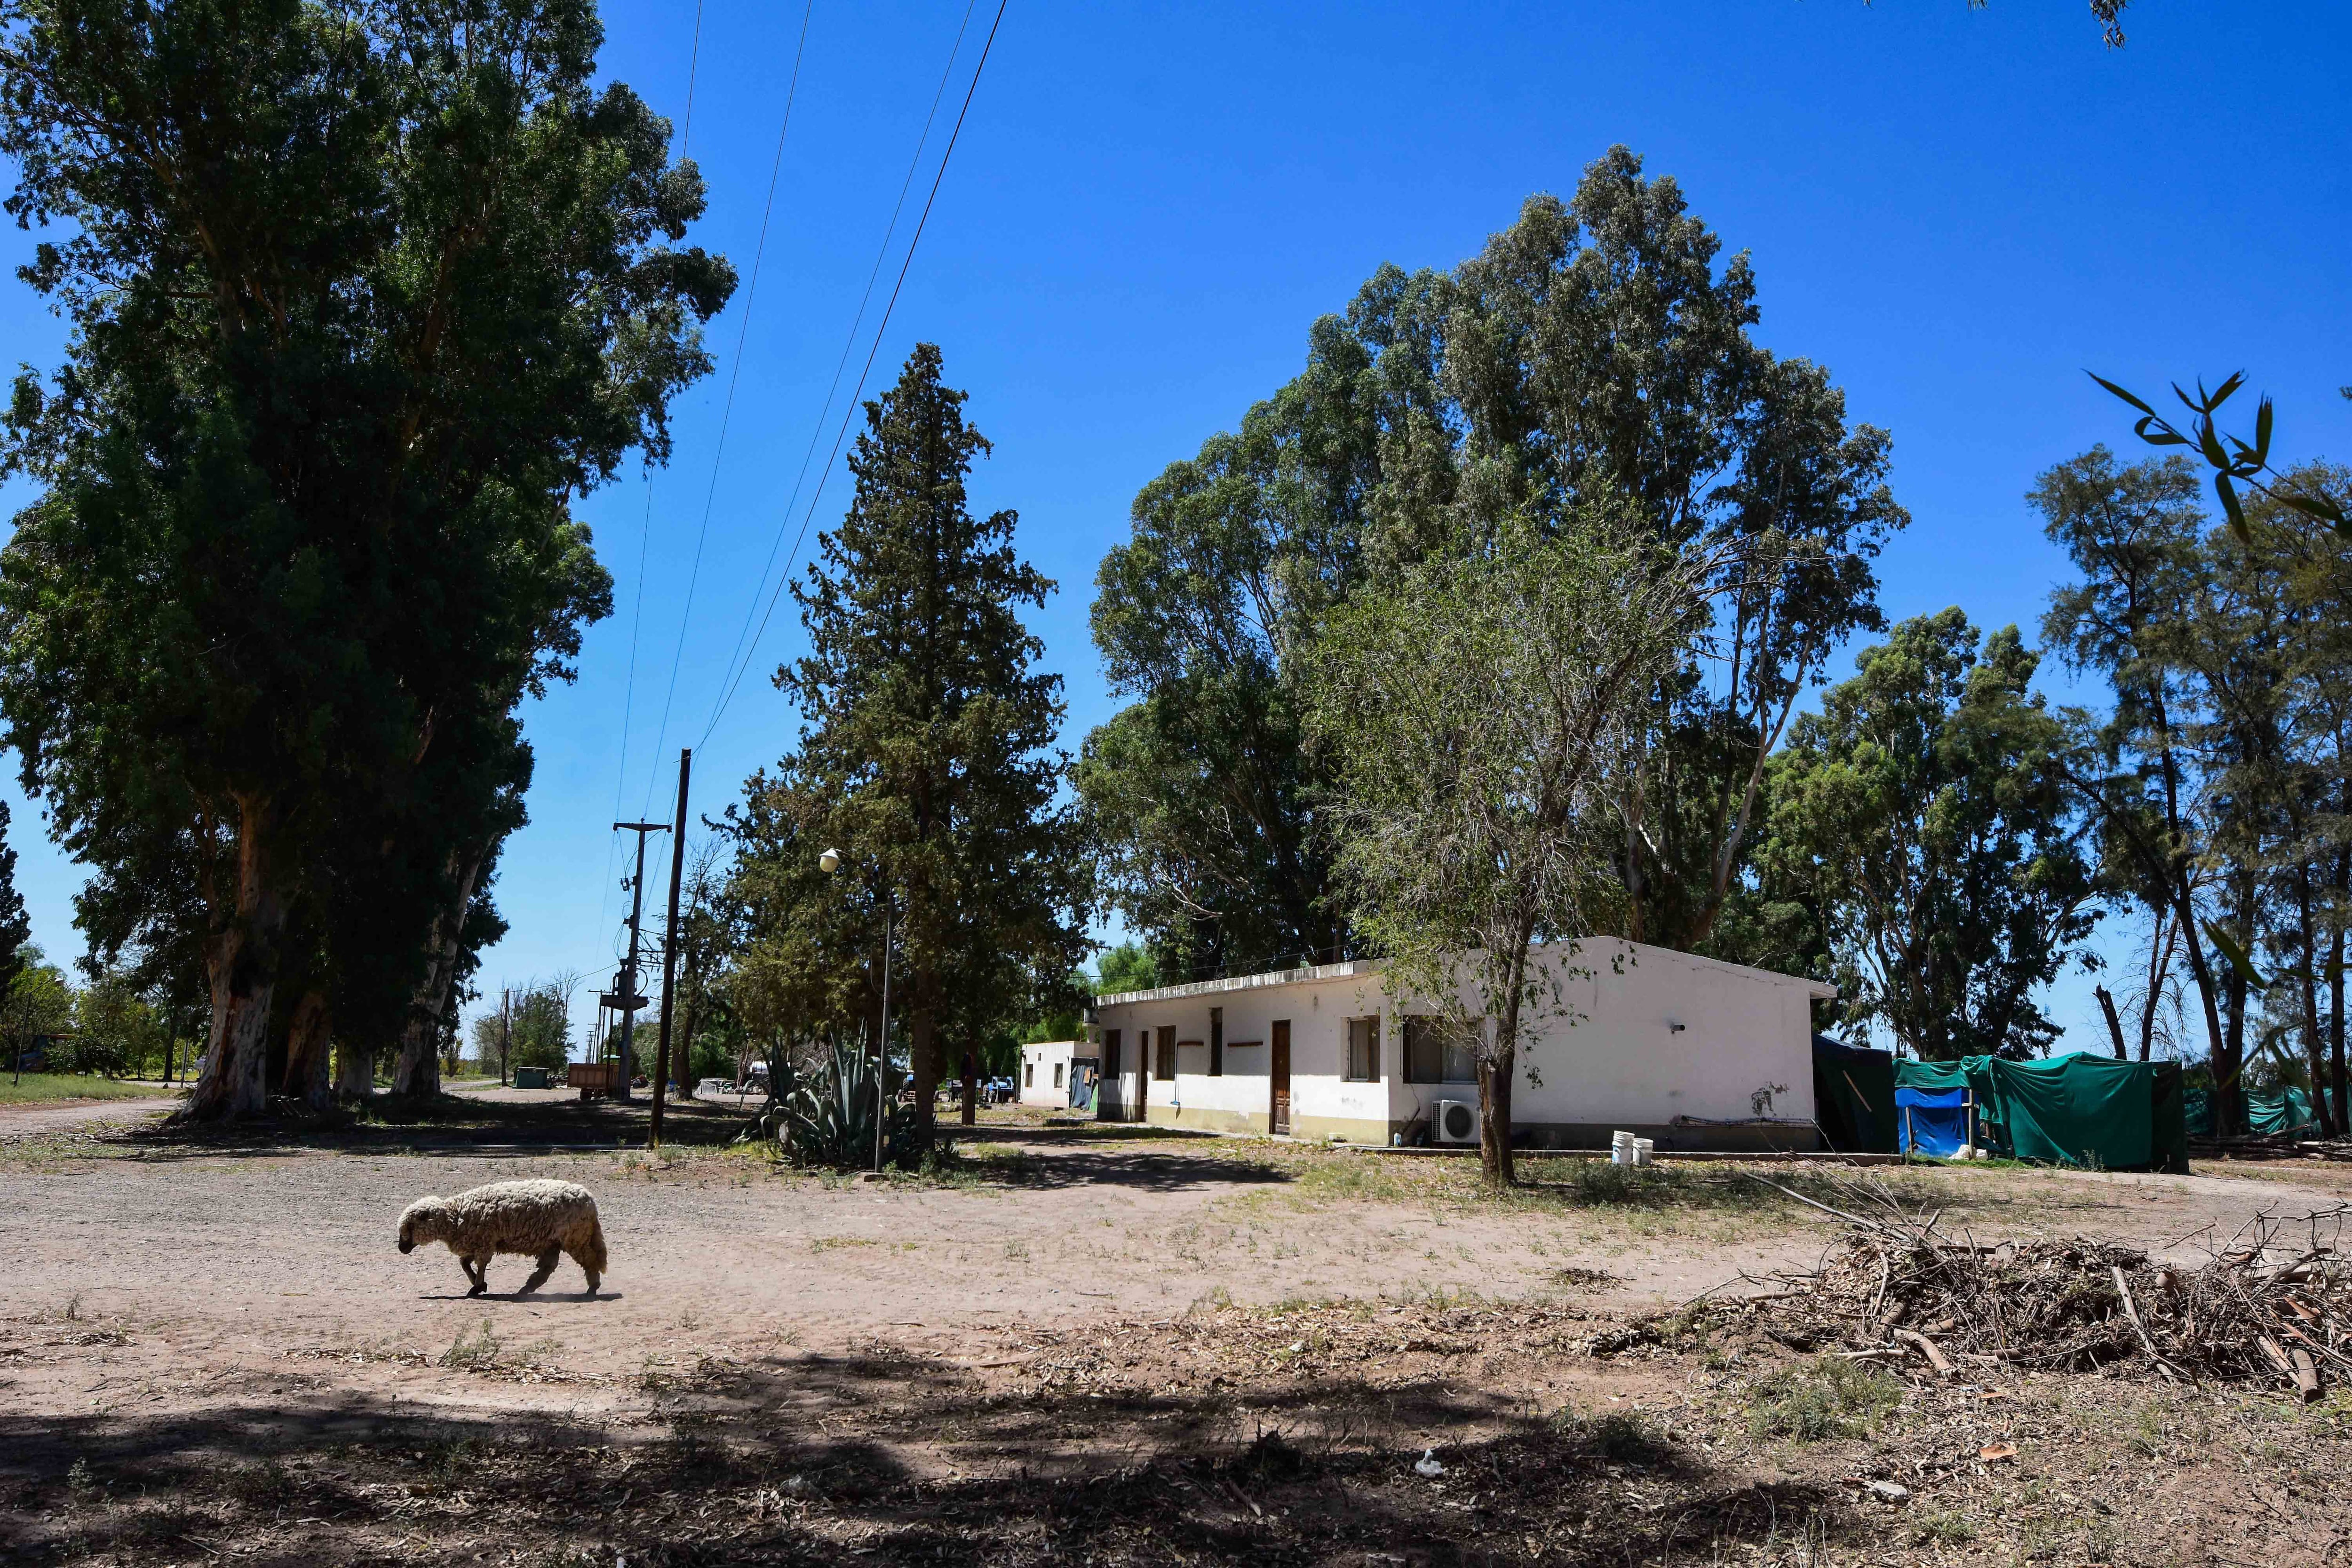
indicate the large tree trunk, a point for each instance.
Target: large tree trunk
{"x":2230,"y":1071}
{"x":1496,"y":1070}
{"x":310,"y":1067}
{"x":418,"y":1071}
{"x":923,"y":1045}
{"x":2114,"y":1024}
{"x":354,"y":1069}
{"x":2228,"y":1096}
{"x":242,"y":962}
{"x":2315,"y":1044}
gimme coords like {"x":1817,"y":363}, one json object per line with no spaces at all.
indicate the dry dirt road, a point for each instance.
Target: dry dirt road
{"x":207,"y":1353}
{"x":39,"y":1118}
{"x":220,"y":1258}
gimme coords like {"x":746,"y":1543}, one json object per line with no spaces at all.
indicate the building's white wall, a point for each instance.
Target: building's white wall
{"x":1605,"y":1057}
{"x":1046,"y":1063}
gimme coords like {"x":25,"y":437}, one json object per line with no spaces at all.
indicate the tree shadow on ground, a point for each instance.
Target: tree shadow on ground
{"x":891,"y":1458}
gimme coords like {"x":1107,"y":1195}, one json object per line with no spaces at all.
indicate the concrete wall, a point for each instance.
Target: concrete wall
{"x":1606,"y":1056}
{"x":1044,"y":1078}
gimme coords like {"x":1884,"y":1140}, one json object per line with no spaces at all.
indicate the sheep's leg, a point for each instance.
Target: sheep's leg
{"x":477,"y":1270}
{"x":546,"y":1261}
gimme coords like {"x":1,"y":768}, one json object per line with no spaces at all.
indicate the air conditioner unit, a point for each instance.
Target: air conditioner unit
{"x":1454,"y":1122}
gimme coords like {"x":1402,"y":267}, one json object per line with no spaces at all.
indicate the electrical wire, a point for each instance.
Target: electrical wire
{"x":848,"y":346}
{"x":727,"y":411}
{"x":645,"y":538}
{"x":727,"y":696}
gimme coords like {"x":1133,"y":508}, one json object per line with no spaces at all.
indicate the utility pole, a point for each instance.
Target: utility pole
{"x":627,"y":1000}
{"x":670,"y":945}
{"x":506,"y":1031}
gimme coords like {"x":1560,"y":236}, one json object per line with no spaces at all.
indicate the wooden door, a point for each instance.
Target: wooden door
{"x":1109,"y":1094}
{"x":1277,"y":1075}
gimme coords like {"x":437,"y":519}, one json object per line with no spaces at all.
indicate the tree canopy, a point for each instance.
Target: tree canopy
{"x":1596,"y":355}
{"x":362,"y":297}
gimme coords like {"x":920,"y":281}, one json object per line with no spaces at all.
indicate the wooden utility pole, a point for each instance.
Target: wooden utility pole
{"x":669,"y":944}
{"x":628,"y":1001}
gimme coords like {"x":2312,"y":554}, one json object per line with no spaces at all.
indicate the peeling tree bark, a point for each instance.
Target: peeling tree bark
{"x":418,"y":1071}
{"x":355,"y":1070}
{"x":242,"y":964}
{"x":309,"y":1069}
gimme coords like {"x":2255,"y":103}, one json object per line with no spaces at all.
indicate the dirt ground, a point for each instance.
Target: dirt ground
{"x":1061,"y":1345}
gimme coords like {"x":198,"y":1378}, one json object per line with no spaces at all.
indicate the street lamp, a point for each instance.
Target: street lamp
{"x":829,"y":863}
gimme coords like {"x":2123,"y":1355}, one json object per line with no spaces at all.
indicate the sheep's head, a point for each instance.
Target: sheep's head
{"x":420,"y":1222}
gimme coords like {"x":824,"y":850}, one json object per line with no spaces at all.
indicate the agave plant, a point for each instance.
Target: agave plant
{"x":826,"y":1116}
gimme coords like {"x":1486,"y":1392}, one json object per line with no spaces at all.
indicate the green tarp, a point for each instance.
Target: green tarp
{"x":2267,"y":1110}
{"x":2081,"y":1110}
{"x":2167,"y":1122}
{"x":1854,"y":1096}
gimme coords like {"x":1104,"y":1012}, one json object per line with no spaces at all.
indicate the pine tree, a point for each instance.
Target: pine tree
{"x":926,"y":751}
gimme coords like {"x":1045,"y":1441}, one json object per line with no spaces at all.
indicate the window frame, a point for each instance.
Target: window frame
{"x":1446,"y":1052}
{"x":1371,"y":1042}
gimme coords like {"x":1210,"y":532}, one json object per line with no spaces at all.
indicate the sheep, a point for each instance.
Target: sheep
{"x":539,"y":1219}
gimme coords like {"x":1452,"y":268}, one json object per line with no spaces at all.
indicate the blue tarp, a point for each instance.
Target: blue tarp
{"x":1934,"y":1121}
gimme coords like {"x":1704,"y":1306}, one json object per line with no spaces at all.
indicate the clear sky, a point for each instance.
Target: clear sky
{"x":1956,"y":210}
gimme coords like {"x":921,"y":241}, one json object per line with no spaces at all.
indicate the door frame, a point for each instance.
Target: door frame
{"x":1279,"y":1113}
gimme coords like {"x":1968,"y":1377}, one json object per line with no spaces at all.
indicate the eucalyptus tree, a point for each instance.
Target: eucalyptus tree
{"x":2134,"y":533}
{"x":1597,"y":353}
{"x":1927,"y":807}
{"x":1483,"y":711}
{"x":363,"y":296}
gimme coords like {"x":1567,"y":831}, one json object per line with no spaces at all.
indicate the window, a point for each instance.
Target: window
{"x":1363,"y":1050}
{"x":1164,"y":1069}
{"x":1028,"y":1075}
{"x":1057,"y":1075}
{"x":1216,"y":1042}
{"x":1436,"y":1052}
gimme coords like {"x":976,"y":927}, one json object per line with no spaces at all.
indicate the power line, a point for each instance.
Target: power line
{"x":645,"y":538}
{"x":727,"y":411}
{"x":880,"y":329}
{"x":848,"y":346}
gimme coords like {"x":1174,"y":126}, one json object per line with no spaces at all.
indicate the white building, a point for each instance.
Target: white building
{"x":1045,"y":1073}
{"x":1689,"y":1051}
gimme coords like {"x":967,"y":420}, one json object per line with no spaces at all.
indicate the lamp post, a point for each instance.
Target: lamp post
{"x":830,"y":863}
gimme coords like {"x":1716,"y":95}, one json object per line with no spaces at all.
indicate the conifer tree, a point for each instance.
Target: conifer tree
{"x":926,"y":747}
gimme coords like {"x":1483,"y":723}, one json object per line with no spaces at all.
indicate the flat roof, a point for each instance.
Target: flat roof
{"x":1348,"y":970}
{"x":1356,"y":967}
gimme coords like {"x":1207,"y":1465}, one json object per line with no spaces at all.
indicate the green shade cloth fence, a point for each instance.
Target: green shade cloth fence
{"x":2086,"y":1110}
{"x":2267,"y":1110}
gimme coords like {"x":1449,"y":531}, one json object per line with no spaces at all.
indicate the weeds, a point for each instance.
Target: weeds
{"x":476,"y":1355}
{"x":1616,"y":1436}
{"x":1828,"y":1397}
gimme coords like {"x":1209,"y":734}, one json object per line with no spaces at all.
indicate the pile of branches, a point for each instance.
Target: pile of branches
{"x":2274,"y":1304}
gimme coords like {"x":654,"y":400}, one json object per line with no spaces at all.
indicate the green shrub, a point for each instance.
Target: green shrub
{"x":1828,"y":1397}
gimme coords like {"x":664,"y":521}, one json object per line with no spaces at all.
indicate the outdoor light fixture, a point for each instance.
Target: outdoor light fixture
{"x":1674,"y":1028}
{"x":829,"y":862}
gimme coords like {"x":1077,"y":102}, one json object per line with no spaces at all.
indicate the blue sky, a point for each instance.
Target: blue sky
{"x":1956,"y":210}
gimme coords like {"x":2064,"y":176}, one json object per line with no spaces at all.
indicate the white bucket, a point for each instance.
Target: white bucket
{"x":1643,"y":1149}
{"x":1623,"y":1149}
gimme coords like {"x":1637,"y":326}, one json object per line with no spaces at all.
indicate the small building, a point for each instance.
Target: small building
{"x":1045,"y":1073}
{"x":1690,"y":1052}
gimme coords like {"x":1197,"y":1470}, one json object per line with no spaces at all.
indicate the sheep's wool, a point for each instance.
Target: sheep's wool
{"x":541,"y":1219}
